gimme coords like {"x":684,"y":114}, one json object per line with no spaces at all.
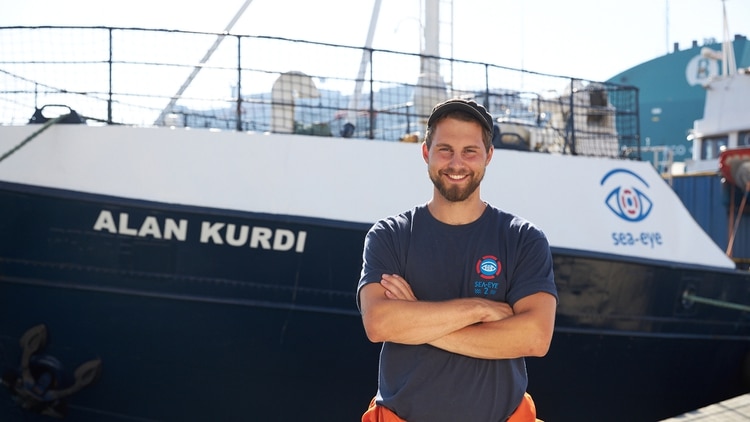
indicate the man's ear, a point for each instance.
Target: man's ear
{"x":425,"y":152}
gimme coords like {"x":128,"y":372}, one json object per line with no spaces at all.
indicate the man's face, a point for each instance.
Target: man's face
{"x":457,"y":158}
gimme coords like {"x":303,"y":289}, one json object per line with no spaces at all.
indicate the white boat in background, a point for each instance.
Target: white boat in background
{"x":725,"y":124}
{"x":204,"y":267}
{"x":714,"y":185}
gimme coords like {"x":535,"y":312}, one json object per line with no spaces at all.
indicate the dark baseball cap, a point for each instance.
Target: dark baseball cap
{"x":468,"y":106}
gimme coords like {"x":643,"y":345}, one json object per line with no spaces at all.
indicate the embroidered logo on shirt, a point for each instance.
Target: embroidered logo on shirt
{"x":488,"y":267}
{"x":486,"y":288}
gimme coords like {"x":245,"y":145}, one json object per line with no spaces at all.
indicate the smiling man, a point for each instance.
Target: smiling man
{"x":458,"y":291}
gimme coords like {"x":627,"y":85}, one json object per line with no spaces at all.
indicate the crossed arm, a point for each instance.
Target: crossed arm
{"x":474,"y":327}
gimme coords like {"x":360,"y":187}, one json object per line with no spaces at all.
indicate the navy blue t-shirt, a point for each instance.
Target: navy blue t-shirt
{"x":499,"y":257}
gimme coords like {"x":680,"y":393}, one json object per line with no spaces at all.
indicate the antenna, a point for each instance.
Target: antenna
{"x":728,"y":64}
{"x":666,"y":25}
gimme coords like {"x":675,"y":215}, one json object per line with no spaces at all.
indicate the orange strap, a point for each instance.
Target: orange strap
{"x":377,"y":413}
{"x":525,"y":412}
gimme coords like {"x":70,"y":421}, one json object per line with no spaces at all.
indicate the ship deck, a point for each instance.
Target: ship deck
{"x":734,"y":409}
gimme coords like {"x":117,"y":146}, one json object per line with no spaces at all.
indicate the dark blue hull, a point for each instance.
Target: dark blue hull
{"x":185,"y":331}
{"x":203,"y":324}
{"x":177,"y":360}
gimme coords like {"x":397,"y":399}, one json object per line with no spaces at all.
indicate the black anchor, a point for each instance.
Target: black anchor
{"x":38,"y":385}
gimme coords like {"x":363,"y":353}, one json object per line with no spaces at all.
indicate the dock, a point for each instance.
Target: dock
{"x":731,"y":410}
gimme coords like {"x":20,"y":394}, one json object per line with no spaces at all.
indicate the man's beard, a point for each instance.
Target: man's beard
{"x":455,"y":193}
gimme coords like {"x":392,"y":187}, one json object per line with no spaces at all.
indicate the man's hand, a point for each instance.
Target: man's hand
{"x":496,"y":310}
{"x":397,"y":288}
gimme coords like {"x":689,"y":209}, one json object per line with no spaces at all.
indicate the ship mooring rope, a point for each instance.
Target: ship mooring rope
{"x":737,"y":220}
{"x":714,"y":302}
{"x":28,"y":139}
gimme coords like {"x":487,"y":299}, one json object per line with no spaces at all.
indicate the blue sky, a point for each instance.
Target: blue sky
{"x":589,"y":39}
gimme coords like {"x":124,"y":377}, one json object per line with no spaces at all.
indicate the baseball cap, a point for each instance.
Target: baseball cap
{"x":468,"y":106}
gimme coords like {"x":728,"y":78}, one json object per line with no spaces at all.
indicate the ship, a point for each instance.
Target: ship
{"x":672,"y":96}
{"x":708,"y":171}
{"x":193,"y":256}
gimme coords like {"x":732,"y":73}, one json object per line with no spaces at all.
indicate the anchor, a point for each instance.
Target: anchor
{"x":40,"y":384}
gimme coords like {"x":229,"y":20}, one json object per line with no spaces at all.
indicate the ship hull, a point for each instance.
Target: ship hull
{"x":195,"y":328}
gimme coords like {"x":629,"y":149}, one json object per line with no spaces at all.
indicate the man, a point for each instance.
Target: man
{"x":458,"y":291}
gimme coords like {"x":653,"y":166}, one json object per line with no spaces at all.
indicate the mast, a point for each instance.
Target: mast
{"x":431,"y":37}
{"x":431,"y":87}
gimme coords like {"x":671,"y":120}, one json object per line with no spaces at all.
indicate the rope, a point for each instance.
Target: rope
{"x":714,"y":302}
{"x":28,"y":139}
{"x":737,"y":219}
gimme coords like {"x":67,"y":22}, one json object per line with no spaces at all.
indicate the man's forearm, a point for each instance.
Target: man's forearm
{"x":491,"y":340}
{"x":527,"y":333}
{"x":418,"y":322}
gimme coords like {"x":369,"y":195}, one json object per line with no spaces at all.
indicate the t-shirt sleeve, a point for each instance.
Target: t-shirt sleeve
{"x":383,"y":252}
{"x":533,"y":272}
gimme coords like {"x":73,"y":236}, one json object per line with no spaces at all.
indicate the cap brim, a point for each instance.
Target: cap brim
{"x":482,"y":116}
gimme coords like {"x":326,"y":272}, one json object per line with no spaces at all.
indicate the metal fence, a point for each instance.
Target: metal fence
{"x":134,"y":76}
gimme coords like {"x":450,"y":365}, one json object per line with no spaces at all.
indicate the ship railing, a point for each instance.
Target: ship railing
{"x":135,"y":76}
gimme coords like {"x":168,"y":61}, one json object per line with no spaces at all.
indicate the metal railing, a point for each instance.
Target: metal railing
{"x":133,"y":76}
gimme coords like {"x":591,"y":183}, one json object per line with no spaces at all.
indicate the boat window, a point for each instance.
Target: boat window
{"x":743,"y":139}
{"x":712,"y":147}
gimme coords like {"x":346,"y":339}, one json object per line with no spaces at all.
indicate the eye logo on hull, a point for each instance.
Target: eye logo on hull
{"x":627,"y":201}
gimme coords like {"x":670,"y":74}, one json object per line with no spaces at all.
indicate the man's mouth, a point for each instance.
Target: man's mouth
{"x":457,"y":176}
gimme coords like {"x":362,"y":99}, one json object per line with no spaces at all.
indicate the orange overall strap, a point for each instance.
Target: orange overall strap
{"x":377,"y":413}
{"x":525,"y":412}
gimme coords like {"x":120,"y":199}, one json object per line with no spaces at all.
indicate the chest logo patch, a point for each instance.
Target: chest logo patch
{"x":488,"y":267}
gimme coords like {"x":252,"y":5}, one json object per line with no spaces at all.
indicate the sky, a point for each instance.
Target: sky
{"x":588,"y":39}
